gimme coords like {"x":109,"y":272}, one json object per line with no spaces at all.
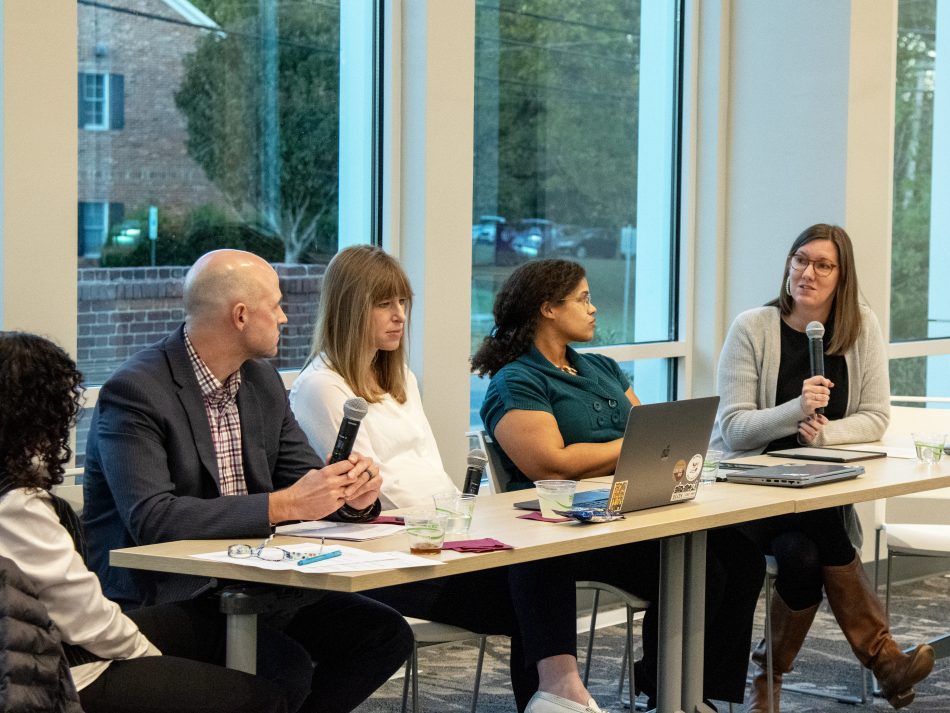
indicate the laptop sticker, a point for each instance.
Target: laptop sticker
{"x":617,"y":494}
{"x":694,"y":468}
{"x":679,"y":470}
{"x":685,"y":489}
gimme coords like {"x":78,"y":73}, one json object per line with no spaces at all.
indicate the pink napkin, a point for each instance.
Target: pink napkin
{"x":386,"y":520}
{"x":540,"y":518}
{"x":485,"y":544}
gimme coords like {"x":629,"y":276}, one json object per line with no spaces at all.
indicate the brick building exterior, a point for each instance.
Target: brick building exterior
{"x":124,"y":309}
{"x":132,"y":151}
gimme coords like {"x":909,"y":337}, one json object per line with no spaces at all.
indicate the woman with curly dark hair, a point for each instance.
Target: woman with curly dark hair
{"x":559,"y":414}
{"x":156,"y":658}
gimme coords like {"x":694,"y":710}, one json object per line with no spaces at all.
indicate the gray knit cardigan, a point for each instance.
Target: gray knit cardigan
{"x":749,"y":419}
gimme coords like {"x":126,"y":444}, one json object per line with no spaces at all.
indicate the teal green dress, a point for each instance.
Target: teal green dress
{"x":590,"y":407}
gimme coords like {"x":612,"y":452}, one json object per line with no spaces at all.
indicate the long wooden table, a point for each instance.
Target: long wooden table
{"x":682,"y":529}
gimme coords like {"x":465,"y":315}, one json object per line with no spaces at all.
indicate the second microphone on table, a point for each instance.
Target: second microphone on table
{"x":477,"y":460}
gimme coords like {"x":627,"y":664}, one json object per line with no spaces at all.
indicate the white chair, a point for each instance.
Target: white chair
{"x":915,"y":539}
{"x":70,"y":489}
{"x":431,"y":633}
{"x":498,"y":478}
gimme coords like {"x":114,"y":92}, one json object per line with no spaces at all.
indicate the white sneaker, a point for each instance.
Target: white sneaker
{"x":542,"y":702}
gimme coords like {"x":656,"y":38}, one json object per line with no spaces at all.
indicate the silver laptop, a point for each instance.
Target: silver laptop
{"x":661,"y":457}
{"x":795,"y":475}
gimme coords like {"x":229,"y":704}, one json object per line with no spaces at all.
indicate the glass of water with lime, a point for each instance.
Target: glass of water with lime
{"x":555,"y":495}
{"x":929,"y":446}
{"x":426,"y":531}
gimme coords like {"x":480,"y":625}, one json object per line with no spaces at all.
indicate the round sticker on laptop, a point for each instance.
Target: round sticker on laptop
{"x":694,"y":468}
{"x":679,"y":470}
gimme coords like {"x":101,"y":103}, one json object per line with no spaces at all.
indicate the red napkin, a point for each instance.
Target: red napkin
{"x":386,"y":520}
{"x":540,"y":518}
{"x":485,"y":544}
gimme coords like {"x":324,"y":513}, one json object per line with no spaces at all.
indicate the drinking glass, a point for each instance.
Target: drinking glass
{"x":457,"y":508}
{"x":929,"y":446}
{"x":426,"y":531}
{"x":555,"y":495}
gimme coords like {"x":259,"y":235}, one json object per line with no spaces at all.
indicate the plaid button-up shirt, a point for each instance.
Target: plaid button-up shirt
{"x":220,"y":402}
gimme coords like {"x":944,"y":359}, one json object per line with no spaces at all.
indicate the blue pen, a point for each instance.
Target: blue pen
{"x":320,"y":558}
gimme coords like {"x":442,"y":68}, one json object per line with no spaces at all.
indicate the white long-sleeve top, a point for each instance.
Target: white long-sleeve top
{"x":32,"y":536}
{"x":395,"y":435}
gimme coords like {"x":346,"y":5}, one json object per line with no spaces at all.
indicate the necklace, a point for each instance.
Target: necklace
{"x":568,"y":369}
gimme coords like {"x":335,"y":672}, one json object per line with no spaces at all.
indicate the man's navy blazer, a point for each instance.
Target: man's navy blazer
{"x":151,"y":471}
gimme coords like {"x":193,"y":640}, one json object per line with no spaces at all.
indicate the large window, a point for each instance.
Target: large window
{"x":920,"y":294}
{"x":230,"y":137}
{"x":216,"y":123}
{"x":575,"y":154}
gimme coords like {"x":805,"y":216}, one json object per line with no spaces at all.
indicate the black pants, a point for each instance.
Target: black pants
{"x":543,"y":596}
{"x":479,"y":601}
{"x":329,"y":657}
{"x":355,"y":644}
{"x":802,"y":544}
{"x":190,"y":676}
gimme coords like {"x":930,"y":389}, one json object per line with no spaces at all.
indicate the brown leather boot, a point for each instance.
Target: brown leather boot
{"x":789,"y":628}
{"x":862,"y":619}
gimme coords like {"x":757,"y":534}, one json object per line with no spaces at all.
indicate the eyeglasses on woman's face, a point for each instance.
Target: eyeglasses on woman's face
{"x":581,"y":299}
{"x":799,"y":263}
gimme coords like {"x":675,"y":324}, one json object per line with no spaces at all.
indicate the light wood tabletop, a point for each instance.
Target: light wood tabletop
{"x":494,"y":517}
{"x":717,"y":505}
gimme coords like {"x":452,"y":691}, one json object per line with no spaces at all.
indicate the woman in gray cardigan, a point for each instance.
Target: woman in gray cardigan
{"x":769,"y":400}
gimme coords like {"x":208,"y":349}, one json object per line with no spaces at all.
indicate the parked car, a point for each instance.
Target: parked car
{"x":488,"y":229}
{"x":534,"y":237}
{"x":582,"y":242}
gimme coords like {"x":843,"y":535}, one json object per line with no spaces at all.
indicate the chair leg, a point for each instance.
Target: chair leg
{"x":478,"y":671}
{"x":769,"y":668}
{"x":887,"y":586}
{"x":626,"y":666}
{"x":590,"y":638}
{"x":405,"y":682}
{"x":415,"y":679}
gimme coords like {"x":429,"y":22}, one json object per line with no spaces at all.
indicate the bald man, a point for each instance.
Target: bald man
{"x":193,"y":438}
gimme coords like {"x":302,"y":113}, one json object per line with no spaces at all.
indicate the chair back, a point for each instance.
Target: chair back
{"x":906,"y":419}
{"x":498,"y":475}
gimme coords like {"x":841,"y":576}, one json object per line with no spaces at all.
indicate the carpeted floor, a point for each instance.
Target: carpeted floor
{"x":920,"y":611}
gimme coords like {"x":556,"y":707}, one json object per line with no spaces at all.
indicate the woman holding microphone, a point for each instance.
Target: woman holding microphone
{"x":770,"y":400}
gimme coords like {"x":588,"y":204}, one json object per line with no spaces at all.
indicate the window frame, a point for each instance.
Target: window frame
{"x":104,"y":227}
{"x":103,"y":102}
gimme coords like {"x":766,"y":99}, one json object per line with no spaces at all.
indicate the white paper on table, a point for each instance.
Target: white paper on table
{"x":352,"y":560}
{"x":352,"y":531}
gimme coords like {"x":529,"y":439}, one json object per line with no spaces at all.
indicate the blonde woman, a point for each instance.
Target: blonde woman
{"x":359,"y":350}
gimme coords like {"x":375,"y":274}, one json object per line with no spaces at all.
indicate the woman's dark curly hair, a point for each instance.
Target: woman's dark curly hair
{"x":518,"y":309}
{"x":40,"y":397}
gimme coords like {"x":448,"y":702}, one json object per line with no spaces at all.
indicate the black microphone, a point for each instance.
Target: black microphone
{"x":353,"y":412}
{"x":477,"y":460}
{"x":816,"y":351}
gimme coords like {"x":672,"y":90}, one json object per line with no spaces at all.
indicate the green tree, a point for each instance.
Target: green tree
{"x":913,"y":145}
{"x":556,"y":110}
{"x":261,"y":102}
